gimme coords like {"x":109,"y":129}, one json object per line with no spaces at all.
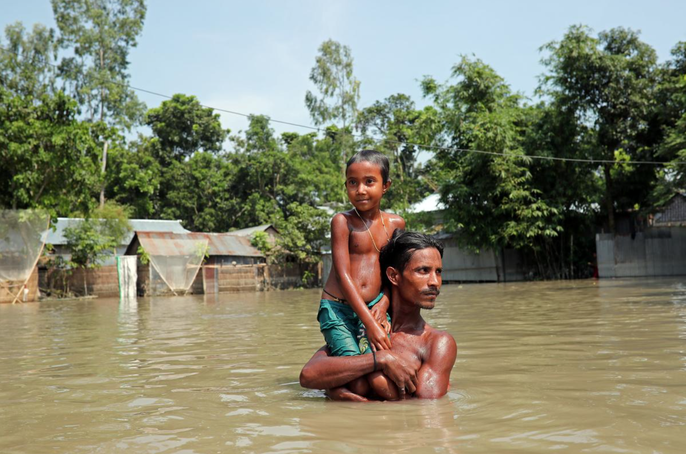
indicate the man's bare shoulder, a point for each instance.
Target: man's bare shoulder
{"x":443,"y":346}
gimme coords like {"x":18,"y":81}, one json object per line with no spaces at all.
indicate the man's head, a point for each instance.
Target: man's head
{"x":412,"y":264}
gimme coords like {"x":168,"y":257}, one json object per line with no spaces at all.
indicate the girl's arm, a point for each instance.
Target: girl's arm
{"x":340,"y":239}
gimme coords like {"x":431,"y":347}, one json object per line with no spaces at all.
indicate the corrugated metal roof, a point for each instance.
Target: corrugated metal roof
{"x":163,"y":243}
{"x":428,"y":204}
{"x":228,"y":244}
{"x":250,"y":230}
{"x":169,"y":244}
{"x":56,"y":237}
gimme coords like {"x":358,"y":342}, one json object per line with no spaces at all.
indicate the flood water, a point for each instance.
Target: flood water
{"x":584,"y":366}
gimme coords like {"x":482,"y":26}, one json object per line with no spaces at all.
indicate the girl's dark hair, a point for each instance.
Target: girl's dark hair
{"x":374,"y":157}
{"x":400,"y":248}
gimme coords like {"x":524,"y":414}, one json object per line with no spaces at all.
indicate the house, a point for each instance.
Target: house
{"x":60,"y":247}
{"x":102,"y":281}
{"x":657,"y":249}
{"x":269,"y":229}
{"x":175,"y":261}
{"x":674,"y":212}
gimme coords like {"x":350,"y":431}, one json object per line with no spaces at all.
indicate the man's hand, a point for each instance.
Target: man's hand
{"x":397,"y":369}
{"x":378,"y":338}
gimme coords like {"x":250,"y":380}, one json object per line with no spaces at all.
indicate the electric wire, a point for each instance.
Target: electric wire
{"x":399,"y":142}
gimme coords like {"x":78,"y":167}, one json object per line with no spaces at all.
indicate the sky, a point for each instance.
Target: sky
{"x":255,"y":57}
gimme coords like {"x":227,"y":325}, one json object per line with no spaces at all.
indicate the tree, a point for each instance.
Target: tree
{"x":608,"y":83}
{"x":100,"y":33}
{"x":393,"y":124}
{"x":95,"y":238}
{"x":339,"y":90}
{"x":27,"y":61}
{"x":182,"y":126}
{"x":199,"y":192}
{"x":135,"y":177}
{"x":672,"y":100}
{"x":489,"y":197}
{"x":48,"y":158}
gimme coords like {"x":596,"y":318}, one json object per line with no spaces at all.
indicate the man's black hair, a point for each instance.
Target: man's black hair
{"x":400,"y":248}
{"x":374,"y":157}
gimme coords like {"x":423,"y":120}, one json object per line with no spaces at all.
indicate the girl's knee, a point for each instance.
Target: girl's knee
{"x":359,"y":386}
{"x":382,"y":386}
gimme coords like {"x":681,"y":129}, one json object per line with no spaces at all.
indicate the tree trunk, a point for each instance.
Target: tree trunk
{"x":497,"y":267}
{"x":609,"y":201}
{"x":104,"y":166}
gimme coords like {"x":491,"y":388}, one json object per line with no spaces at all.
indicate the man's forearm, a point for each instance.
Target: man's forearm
{"x":324,"y":372}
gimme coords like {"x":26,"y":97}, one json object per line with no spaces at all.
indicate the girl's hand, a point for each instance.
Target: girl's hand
{"x":378,"y":339}
{"x":379,"y":314}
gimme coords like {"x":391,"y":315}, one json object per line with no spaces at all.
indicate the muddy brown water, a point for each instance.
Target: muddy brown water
{"x":585,"y":366}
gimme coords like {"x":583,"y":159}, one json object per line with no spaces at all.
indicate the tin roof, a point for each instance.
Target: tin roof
{"x":166,"y":243}
{"x":428,"y":204}
{"x":674,"y":211}
{"x":56,"y":237}
{"x":250,"y":230}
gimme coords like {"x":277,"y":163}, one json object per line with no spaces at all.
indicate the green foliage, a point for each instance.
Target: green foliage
{"x":339,"y":91}
{"x":49,"y":158}
{"x":333,"y":76}
{"x":143,"y":255}
{"x":100,"y":33}
{"x":489,"y":198}
{"x":27,"y":61}
{"x":393,"y":125}
{"x":261,"y":241}
{"x":181,"y":127}
{"x":603,"y":97}
{"x":93,"y":239}
{"x":672,"y":96}
{"x":608,"y":84}
{"x":135,"y":178}
{"x":303,"y":233}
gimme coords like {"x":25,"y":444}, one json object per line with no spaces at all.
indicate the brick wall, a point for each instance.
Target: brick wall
{"x":102,"y":282}
{"x":239,"y":278}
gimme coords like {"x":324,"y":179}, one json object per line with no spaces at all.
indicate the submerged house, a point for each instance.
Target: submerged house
{"x":653,"y":248}
{"x":60,"y":247}
{"x":102,"y":281}
{"x":194,"y":262}
{"x":673,"y":214}
{"x":269,"y":229}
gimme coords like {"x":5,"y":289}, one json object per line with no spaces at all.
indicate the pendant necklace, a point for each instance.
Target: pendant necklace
{"x":370,"y":232}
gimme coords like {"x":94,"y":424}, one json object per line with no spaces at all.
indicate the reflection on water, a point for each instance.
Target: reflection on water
{"x":563,"y":366}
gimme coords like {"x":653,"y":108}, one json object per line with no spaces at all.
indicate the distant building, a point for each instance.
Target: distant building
{"x":61,"y":248}
{"x":224,"y":250}
{"x":653,"y":248}
{"x":674,"y":212}
{"x":269,"y":229}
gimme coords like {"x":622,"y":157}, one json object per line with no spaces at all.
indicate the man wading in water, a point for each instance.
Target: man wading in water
{"x":421,"y":359}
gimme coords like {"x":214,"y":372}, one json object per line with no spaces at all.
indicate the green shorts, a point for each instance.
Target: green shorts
{"x":343,"y":331}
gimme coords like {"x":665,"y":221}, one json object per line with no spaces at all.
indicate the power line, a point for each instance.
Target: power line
{"x":424,"y":146}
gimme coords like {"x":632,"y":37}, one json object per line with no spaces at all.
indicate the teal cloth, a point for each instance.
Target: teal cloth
{"x":342,"y":329}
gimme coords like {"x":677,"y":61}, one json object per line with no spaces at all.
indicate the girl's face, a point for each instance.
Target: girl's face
{"x":365,"y":185}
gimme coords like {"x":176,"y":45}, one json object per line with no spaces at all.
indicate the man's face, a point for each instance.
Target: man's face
{"x":420,"y":281}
